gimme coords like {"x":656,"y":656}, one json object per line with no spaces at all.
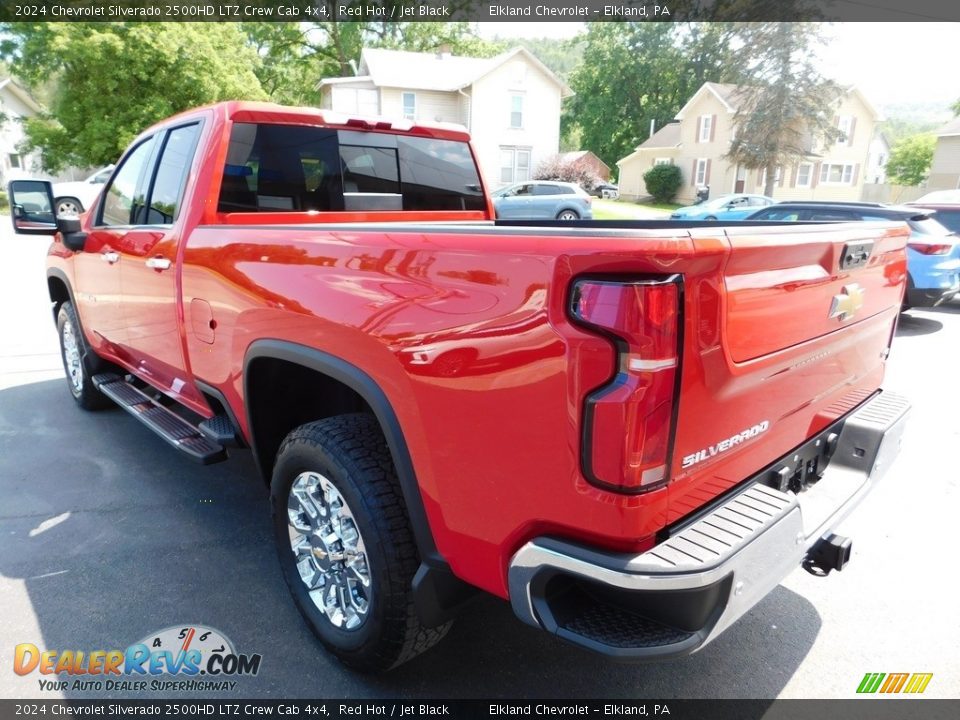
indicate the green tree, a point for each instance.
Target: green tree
{"x":910,"y":160}
{"x":663,"y":182}
{"x":635,"y":72}
{"x":956,"y":108}
{"x":783,"y":101}
{"x":112,"y":80}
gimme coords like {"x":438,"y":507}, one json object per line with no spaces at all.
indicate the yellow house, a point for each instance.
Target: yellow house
{"x":698,"y":140}
{"x":945,"y":168}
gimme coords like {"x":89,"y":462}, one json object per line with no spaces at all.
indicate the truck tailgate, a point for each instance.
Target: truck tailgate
{"x":781,"y":287}
{"x":792,"y":336}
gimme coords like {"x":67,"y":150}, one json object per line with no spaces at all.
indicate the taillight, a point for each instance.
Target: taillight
{"x":930,"y":248}
{"x":628,"y":421}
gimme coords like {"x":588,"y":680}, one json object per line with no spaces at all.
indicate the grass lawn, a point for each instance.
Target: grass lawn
{"x":623,"y":210}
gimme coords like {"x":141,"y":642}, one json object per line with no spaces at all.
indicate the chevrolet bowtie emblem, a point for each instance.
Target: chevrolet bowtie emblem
{"x":846,"y":304}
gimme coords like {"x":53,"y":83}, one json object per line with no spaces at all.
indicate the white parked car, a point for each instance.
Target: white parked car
{"x":73,"y":198}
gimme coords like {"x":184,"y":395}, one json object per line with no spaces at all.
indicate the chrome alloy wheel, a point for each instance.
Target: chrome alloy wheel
{"x":330,"y":554}
{"x":71,"y":356}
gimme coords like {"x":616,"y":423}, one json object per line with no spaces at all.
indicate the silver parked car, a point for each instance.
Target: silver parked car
{"x":542,"y":200}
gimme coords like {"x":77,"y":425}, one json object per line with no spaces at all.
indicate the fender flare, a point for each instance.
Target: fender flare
{"x":438,"y":593}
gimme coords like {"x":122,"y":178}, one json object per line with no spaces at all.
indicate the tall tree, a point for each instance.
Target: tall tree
{"x":112,"y":80}
{"x":956,"y":108}
{"x":784,"y":103}
{"x":635,"y":72}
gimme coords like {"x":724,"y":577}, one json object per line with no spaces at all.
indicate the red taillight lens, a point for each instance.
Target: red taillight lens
{"x":627,"y":423}
{"x":930,"y":248}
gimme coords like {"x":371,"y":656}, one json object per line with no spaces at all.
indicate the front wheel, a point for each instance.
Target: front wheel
{"x":345,"y":544}
{"x":77,"y":358}
{"x":568,"y":215}
{"x":68,"y":206}
{"x":710,"y":217}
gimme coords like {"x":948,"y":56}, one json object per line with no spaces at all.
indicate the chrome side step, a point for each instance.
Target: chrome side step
{"x":168,"y":425}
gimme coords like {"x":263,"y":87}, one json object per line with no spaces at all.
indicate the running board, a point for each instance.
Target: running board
{"x":168,"y":425}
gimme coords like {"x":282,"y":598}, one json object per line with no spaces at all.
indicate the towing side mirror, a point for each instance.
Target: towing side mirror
{"x":31,"y":207}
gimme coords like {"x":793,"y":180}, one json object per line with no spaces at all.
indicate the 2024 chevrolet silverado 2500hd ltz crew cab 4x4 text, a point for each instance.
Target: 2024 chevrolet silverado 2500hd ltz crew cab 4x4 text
{"x":631,"y":431}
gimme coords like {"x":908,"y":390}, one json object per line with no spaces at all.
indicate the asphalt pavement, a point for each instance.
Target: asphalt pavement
{"x":108,"y":536}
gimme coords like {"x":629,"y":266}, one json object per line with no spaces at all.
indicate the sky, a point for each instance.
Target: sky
{"x":889,"y":62}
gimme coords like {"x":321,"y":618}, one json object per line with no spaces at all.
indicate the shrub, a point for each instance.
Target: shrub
{"x":554,"y":168}
{"x":663,"y":182}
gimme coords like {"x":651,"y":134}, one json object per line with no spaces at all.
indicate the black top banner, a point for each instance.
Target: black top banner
{"x":479,"y":10}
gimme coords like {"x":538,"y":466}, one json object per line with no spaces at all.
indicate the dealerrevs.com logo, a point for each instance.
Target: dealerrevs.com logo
{"x":190,"y":652}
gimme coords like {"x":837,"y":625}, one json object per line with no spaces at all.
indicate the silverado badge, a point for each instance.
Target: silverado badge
{"x":846,"y":304}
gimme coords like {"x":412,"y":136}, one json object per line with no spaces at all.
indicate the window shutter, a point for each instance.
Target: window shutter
{"x":853,"y":125}
{"x":693,"y":174}
{"x":699,"y":123}
{"x":713,"y":128}
{"x":793,"y":175}
{"x":856,"y":172}
{"x":706,"y":173}
{"x":815,"y":178}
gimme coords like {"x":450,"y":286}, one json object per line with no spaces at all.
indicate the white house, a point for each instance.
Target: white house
{"x":15,"y":105}
{"x":877,"y":156}
{"x":510,"y":103}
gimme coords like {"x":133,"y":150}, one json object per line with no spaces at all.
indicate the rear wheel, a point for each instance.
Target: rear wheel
{"x":68,"y":206}
{"x":710,"y":217}
{"x":567,"y":215}
{"x":77,"y":359}
{"x":345,"y":543}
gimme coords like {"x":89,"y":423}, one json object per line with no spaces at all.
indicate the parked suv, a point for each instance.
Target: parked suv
{"x":546,"y":200}
{"x":947,"y":205}
{"x":933,"y":253}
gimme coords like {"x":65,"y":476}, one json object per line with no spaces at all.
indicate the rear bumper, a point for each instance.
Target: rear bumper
{"x":923,"y":297}
{"x":677,"y":597}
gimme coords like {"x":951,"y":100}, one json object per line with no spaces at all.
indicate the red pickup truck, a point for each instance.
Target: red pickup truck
{"x":632,"y":431}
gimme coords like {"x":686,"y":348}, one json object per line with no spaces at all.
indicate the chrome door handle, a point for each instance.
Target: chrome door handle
{"x":111,"y":257}
{"x":158,"y":263}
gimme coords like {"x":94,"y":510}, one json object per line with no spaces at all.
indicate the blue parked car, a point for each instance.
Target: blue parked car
{"x":542,"y":200}
{"x":933,"y":251}
{"x":725,"y":207}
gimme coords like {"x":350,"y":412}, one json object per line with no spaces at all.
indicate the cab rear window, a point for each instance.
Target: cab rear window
{"x":293,"y":168}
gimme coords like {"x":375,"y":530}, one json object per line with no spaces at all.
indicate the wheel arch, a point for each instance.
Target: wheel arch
{"x":58,"y":286}
{"x":348,"y":389}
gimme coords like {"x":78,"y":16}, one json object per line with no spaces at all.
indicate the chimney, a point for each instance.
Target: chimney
{"x":443,"y":52}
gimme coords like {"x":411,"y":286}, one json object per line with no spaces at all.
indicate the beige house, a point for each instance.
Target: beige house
{"x":945,"y":168}
{"x":700,"y":137}
{"x":510,"y":103}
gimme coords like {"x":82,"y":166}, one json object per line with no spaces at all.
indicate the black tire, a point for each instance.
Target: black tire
{"x":710,"y":217}
{"x":568,"y":215}
{"x":67,"y":206}
{"x":78,"y":367}
{"x":351,"y":453}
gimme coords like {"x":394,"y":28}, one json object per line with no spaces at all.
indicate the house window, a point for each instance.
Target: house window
{"x":804,"y":174}
{"x":700,"y":176}
{"x":763,"y":177}
{"x":516,"y":111}
{"x":706,"y":127}
{"x":514,"y":164}
{"x":662,"y":161}
{"x":15,"y":161}
{"x":831,"y":174}
{"x":410,"y":105}
{"x":355,"y":101}
{"x":844,"y":125}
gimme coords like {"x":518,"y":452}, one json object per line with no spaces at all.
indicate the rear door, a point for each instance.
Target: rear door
{"x":149,"y":266}
{"x":792,"y":333}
